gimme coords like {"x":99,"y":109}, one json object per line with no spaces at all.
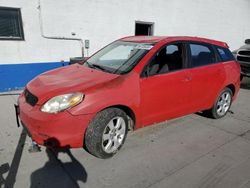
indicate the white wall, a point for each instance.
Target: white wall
{"x":103,"y":21}
{"x":34,"y":48}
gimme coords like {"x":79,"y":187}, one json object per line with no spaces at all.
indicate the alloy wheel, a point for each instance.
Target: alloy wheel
{"x":223,"y":104}
{"x":113,"y":135}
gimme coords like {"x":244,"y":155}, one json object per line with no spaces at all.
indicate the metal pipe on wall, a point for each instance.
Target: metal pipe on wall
{"x":56,"y":37}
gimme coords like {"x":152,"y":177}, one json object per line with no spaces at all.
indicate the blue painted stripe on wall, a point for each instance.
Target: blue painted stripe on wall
{"x":16,"y":76}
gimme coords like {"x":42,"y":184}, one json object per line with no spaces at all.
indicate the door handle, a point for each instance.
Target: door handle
{"x":187,"y":79}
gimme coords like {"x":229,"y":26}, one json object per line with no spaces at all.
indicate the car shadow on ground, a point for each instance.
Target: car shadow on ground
{"x":12,"y":169}
{"x":56,"y":173}
{"x":4,"y":168}
{"x":245,"y":83}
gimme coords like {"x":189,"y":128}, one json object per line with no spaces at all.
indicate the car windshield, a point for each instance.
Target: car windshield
{"x":119,"y":57}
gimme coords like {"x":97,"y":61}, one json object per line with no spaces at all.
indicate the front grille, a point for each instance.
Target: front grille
{"x":242,"y":58}
{"x":243,"y":55}
{"x":244,"y":52}
{"x":30,"y":98}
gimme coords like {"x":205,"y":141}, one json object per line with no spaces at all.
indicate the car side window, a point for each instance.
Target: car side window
{"x":167,"y":59}
{"x":225,"y":54}
{"x":201,"y":55}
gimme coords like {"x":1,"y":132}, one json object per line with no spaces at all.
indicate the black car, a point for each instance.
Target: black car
{"x":243,"y":57}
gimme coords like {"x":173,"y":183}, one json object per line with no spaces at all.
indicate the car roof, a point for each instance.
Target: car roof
{"x":156,"y":39}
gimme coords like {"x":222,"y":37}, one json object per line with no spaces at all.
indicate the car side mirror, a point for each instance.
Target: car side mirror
{"x":247,"y":41}
{"x":80,"y":60}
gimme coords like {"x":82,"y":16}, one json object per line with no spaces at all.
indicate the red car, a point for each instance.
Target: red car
{"x":131,"y":83}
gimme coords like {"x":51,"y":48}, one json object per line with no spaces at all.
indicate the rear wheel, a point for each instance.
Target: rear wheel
{"x":106,"y":133}
{"x":222,"y":104}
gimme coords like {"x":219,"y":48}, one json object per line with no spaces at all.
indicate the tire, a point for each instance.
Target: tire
{"x":222,"y":104}
{"x":106,"y":133}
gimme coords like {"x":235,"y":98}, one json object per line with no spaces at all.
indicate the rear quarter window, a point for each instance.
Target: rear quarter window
{"x":225,"y":54}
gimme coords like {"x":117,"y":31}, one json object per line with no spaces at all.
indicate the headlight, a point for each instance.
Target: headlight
{"x":62,"y":102}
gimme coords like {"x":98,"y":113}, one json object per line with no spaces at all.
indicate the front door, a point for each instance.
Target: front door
{"x":165,"y":85}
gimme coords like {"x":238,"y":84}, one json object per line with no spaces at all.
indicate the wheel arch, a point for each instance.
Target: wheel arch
{"x":130,"y":113}
{"x":232,"y":88}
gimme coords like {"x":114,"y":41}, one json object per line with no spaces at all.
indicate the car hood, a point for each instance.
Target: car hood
{"x":74,"y":78}
{"x":245,"y":47}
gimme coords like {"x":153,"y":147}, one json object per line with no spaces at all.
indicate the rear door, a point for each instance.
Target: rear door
{"x":207,"y":75}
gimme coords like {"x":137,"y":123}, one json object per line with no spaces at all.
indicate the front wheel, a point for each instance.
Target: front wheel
{"x":222,"y":104}
{"x":106,"y":133}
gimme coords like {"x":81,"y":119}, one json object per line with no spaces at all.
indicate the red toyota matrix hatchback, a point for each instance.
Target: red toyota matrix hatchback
{"x":131,"y":83}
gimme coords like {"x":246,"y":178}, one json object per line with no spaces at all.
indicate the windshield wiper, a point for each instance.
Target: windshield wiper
{"x":95,"y":66}
{"x":99,"y":67}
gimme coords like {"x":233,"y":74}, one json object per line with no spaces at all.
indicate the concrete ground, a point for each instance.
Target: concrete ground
{"x":188,"y":152}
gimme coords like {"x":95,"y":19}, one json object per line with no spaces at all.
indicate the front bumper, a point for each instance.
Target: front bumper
{"x":245,"y":68}
{"x":53,"y":130}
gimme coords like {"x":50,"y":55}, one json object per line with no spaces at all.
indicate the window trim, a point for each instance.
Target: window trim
{"x":185,"y":61}
{"x":210,"y":46}
{"x":20,"y":23}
